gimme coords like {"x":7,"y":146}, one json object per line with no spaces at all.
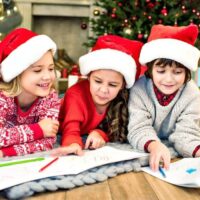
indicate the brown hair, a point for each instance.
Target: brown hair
{"x":116,"y":120}
{"x":164,"y":62}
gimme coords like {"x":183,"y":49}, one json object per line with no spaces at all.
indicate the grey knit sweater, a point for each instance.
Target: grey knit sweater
{"x":178,"y":122}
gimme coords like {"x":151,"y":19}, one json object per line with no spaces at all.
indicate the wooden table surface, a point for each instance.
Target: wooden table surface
{"x":128,"y":186}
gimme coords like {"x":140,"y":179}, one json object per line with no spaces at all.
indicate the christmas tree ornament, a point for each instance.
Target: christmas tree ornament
{"x":175,"y":22}
{"x":113,"y":15}
{"x":146,"y":35}
{"x":134,"y":18}
{"x":10,"y":16}
{"x":164,"y":11}
{"x":194,"y":10}
{"x":128,"y":31}
{"x":150,"y":5}
{"x":150,"y":17}
{"x":140,"y":36}
{"x":126,"y":21}
{"x":83,"y":25}
{"x":96,"y":12}
{"x":141,"y":15}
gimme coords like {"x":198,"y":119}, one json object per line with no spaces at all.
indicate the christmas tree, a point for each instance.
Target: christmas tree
{"x":133,"y":19}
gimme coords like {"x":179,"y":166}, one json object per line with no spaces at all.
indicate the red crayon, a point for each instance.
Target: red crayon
{"x":48,"y":164}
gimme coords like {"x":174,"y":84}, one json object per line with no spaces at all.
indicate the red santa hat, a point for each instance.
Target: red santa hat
{"x":116,"y":53}
{"x":175,"y":43}
{"x":20,"y":49}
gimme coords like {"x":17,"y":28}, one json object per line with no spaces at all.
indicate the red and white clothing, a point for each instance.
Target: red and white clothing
{"x":78,"y":114}
{"x":20,"y":132}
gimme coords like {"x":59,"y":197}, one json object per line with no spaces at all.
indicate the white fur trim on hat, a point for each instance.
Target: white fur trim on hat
{"x":25,"y":55}
{"x":173,"y":49}
{"x":109,"y":59}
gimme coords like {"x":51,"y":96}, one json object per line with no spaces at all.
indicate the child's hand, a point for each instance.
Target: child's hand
{"x":49,"y":127}
{"x":73,"y":148}
{"x":158,"y":153}
{"x":197,"y":154}
{"x":94,"y":141}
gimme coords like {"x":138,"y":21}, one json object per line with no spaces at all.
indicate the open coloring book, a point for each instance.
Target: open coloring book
{"x":185,"y":173}
{"x":19,"y":173}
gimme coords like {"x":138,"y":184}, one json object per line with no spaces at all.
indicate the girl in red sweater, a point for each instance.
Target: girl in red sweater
{"x":98,"y":106}
{"x":29,"y":105}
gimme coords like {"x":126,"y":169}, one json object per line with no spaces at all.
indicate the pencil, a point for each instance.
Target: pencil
{"x":20,"y":162}
{"x":162,"y":172}
{"x":48,"y":164}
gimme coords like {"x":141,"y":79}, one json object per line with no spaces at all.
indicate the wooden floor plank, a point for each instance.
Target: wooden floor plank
{"x":168,"y":191}
{"x":59,"y":195}
{"x":131,"y":186}
{"x":99,"y":191}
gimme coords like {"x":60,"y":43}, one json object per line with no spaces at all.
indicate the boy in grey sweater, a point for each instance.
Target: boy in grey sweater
{"x":165,"y":103}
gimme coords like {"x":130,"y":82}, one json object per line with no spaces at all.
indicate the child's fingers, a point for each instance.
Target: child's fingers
{"x":154,"y":162}
{"x":88,"y":143}
{"x":79,"y":152}
{"x":61,"y":151}
{"x":166,"y":162}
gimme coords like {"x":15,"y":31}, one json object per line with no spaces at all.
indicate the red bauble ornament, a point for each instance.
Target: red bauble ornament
{"x":150,"y":5}
{"x":160,"y":21}
{"x":83,"y":25}
{"x":193,"y":10}
{"x":164,"y":11}
{"x":140,"y":36}
{"x":120,"y":4}
{"x":113,"y":15}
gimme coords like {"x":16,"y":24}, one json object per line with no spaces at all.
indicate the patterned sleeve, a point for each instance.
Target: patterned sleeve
{"x":44,"y":144}
{"x":22,"y":137}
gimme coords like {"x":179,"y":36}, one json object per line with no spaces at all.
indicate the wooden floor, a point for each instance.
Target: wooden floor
{"x":129,"y":186}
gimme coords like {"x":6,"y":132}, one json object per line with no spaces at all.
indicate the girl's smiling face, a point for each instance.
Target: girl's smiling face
{"x":168,"y":79}
{"x":37,"y":80}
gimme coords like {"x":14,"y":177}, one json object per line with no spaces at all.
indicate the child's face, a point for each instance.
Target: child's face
{"x":168,"y":79}
{"x":38,"y":79}
{"x":105,"y":86}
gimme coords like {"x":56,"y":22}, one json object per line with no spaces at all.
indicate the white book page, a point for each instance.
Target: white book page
{"x":185,"y":172}
{"x":65,"y":165}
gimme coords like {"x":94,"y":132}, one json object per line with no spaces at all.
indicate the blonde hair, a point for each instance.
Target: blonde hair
{"x":13,"y":88}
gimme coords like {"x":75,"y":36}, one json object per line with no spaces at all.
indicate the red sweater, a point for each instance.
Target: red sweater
{"x":20,"y":132}
{"x":78,"y":114}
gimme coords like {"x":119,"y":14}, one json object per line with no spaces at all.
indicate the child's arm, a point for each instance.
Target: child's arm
{"x":140,"y":126}
{"x":28,"y":148}
{"x":186,"y":135}
{"x":71,"y":117}
{"x":20,"y":134}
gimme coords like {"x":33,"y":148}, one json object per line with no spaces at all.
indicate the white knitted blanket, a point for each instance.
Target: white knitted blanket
{"x":91,"y":176}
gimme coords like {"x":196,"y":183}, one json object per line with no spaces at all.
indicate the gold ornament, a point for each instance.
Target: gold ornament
{"x":128,"y":31}
{"x":96,"y":12}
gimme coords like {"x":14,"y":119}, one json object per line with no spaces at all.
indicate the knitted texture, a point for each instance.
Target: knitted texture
{"x":87,"y":177}
{"x":177,"y":122}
